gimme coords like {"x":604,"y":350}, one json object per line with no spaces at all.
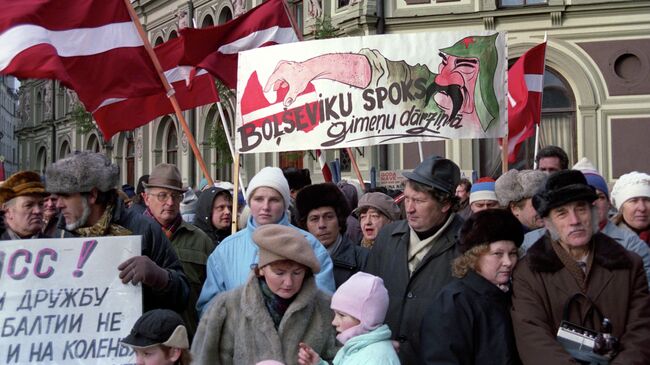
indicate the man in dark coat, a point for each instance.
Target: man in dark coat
{"x":413,"y":256}
{"x":214,"y":213}
{"x":85,"y":186}
{"x":323,"y":210}
{"x":574,"y":258}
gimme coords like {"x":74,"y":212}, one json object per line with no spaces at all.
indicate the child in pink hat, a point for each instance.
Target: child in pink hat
{"x":359,"y":306}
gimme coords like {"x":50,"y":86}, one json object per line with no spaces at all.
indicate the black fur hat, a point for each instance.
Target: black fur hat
{"x":560,"y":188}
{"x":322,"y":195}
{"x":489,"y":226}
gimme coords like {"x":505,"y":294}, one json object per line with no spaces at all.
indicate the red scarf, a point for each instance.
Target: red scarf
{"x":169,"y":229}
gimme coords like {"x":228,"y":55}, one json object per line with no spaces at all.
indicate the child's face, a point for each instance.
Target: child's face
{"x":154,"y":356}
{"x":343,"y":321}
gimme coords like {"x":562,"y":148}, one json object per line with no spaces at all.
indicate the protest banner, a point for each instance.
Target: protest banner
{"x":362,"y":91}
{"x":62,"y":302}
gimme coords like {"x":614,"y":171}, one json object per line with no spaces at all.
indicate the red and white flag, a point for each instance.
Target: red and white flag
{"x":192,"y":88}
{"x":91,"y":46}
{"x":525,"y":87}
{"x":216,"y":48}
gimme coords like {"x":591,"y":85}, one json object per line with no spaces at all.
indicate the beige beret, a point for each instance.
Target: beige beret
{"x":278,"y":242}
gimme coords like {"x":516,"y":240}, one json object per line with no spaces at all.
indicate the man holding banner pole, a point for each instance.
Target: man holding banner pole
{"x":85,"y":184}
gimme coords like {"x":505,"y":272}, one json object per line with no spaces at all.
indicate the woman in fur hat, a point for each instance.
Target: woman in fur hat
{"x":278,"y":308}
{"x":469,"y":321}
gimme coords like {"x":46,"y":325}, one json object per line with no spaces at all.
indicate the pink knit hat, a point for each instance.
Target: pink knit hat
{"x":364,"y":297}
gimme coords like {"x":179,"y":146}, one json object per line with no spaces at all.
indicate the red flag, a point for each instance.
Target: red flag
{"x":215,"y":48}
{"x":525,"y":86}
{"x":91,"y":46}
{"x":325,"y":169}
{"x":192,"y":88}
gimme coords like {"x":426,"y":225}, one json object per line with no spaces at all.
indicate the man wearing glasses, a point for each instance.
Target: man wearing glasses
{"x":163,"y":195}
{"x":85,"y":186}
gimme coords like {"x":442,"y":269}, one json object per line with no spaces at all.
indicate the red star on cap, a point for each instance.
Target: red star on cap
{"x":468,"y":41}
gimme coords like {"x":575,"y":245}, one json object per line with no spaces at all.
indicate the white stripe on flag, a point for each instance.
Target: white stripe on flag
{"x":258,"y":38}
{"x":278,"y":108}
{"x":179,"y":73}
{"x":108,"y":101}
{"x":68,"y":43}
{"x":534,"y":82}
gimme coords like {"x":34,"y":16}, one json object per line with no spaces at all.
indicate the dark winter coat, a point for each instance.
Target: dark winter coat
{"x":193,"y":248}
{"x":203,"y":215}
{"x":410,"y":296}
{"x":348,"y":259}
{"x":616,"y":284}
{"x":469,"y":323}
{"x":157,"y":247}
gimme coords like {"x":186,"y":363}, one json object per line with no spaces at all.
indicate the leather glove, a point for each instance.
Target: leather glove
{"x":141,"y":269}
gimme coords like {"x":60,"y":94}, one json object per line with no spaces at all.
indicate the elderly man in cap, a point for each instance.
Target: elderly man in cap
{"x":573,"y":261}
{"x":515,"y":190}
{"x":625,"y":238}
{"x":85,"y":184}
{"x":21,"y":198}
{"x":163,"y":195}
{"x":375,"y":210}
{"x":413,"y":256}
{"x":322,"y":211}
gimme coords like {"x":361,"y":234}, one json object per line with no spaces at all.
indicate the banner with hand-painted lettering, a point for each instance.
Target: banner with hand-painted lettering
{"x":62,"y":302}
{"x":362,"y":91}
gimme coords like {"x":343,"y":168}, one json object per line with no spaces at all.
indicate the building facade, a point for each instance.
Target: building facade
{"x":8,"y":120}
{"x":596,"y":100}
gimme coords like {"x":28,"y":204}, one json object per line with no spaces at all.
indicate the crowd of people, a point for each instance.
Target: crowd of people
{"x":545,"y":266}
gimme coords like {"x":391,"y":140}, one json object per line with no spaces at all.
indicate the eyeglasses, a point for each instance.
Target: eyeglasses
{"x":163,"y":197}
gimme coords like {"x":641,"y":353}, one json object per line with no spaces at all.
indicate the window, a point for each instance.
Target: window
{"x":130,"y":160}
{"x":172,"y":145}
{"x":297,"y":10}
{"x":207,"y":21}
{"x":225,"y":15}
{"x":516,"y":3}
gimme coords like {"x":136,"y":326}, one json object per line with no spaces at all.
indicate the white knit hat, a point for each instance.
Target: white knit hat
{"x":270,"y":177}
{"x":631,"y":185}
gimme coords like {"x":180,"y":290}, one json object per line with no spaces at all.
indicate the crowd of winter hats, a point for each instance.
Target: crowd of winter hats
{"x":278,"y":242}
{"x":483,"y":189}
{"x":20,"y":184}
{"x":514,"y":185}
{"x":270,"y":177}
{"x":81,"y":172}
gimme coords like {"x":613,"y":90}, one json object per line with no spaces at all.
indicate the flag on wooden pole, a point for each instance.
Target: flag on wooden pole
{"x":525,"y":87}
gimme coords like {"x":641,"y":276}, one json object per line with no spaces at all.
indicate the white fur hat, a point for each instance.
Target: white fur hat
{"x":270,"y":177}
{"x":630,"y":185}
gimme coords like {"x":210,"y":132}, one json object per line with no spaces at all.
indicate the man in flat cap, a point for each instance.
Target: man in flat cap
{"x":413,"y":256}
{"x":163,"y":194}
{"x":85,"y":184}
{"x":21,"y":198}
{"x":573,"y":261}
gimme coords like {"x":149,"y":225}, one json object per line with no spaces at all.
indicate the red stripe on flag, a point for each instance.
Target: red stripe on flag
{"x":215,"y":48}
{"x":137,"y":111}
{"x":61,"y":15}
{"x":91,"y":46}
{"x":524,"y":106}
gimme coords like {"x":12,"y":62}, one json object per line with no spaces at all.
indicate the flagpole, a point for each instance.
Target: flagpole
{"x":356,"y":168}
{"x":230,"y":146}
{"x":420,"y":151}
{"x":169,"y":90}
{"x":235,"y":199}
{"x":541,"y":98}
{"x":504,"y":153}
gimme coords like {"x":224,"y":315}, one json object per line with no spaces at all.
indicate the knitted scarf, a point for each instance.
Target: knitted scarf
{"x":276,"y":305}
{"x":103,"y":227}
{"x":169,"y":229}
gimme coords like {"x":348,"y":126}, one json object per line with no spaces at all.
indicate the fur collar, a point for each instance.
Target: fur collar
{"x":607,"y":253}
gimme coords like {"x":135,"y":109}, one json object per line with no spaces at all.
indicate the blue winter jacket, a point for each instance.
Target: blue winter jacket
{"x":372,"y":348}
{"x":230,"y":263}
